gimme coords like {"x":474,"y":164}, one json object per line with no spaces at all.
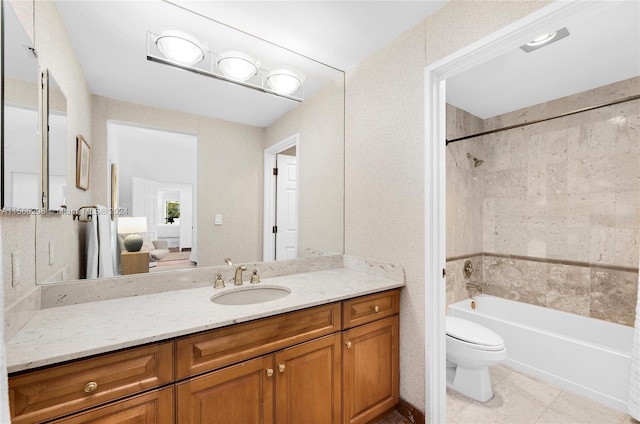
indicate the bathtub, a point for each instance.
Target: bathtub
{"x":581,"y":354}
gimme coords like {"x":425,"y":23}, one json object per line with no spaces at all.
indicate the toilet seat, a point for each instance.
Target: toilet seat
{"x":472,"y":335}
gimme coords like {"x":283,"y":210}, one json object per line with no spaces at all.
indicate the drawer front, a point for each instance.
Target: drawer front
{"x":155,"y":407}
{"x":370,"y":308}
{"x":218,"y":348}
{"x":59,"y":390}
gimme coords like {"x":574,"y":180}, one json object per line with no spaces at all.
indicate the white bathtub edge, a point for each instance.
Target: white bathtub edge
{"x":617,"y":404}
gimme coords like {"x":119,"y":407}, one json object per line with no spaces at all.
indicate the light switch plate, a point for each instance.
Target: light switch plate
{"x":217,"y":219}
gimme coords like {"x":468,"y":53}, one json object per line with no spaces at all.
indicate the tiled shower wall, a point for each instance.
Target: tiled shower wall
{"x":560,"y":206}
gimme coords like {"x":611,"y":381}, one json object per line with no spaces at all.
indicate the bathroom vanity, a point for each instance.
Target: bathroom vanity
{"x":328,"y":352}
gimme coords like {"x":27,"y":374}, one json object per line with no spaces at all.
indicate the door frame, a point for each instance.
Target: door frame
{"x":269,"y":214}
{"x":546,"y":19}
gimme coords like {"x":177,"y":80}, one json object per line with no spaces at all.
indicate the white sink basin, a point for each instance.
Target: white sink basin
{"x":250,"y":295}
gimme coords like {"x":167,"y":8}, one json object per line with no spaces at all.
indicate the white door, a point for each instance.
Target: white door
{"x":144,"y":202}
{"x":287,"y":208}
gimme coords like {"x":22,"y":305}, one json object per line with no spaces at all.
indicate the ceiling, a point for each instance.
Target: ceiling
{"x":109,"y":38}
{"x":602,"y":48}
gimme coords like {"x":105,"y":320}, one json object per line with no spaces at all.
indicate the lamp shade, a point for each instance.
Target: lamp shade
{"x":132,"y":224}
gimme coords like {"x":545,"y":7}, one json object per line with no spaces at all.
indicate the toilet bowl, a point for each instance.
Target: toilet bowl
{"x":471,"y":350}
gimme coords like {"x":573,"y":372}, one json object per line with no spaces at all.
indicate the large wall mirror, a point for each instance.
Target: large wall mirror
{"x":180,"y":147}
{"x":20,"y":141}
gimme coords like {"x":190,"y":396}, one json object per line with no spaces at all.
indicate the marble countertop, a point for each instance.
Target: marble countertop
{"x":65,"y":333}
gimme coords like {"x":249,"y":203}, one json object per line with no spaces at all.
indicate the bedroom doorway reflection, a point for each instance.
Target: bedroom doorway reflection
{"x":157,"y":179}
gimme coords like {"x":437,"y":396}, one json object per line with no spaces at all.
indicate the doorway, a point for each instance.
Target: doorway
{"x":488,"y":48}
{"x":280,"y":234}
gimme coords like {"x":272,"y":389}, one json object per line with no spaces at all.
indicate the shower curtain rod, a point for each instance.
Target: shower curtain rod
{"x":537,"y":121}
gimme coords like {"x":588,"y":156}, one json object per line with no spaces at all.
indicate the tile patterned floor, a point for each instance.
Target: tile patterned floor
{"x":519,"y":399}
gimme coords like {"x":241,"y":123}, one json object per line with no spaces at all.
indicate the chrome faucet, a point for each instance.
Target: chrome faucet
{"x":238,"y":278}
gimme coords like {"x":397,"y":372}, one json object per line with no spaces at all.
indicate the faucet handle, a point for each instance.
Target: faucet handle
{"x":255,"y":278}
{"x":219,"y":283}
{"x":228,"y":261}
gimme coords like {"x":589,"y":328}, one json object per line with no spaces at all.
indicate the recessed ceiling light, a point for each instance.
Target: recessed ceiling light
{"x":545,"y":40}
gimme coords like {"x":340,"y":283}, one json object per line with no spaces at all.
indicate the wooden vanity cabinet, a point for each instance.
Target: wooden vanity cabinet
{"x":295,"y":385}
{"x":371,"y":356}
{"x":326,"y":364}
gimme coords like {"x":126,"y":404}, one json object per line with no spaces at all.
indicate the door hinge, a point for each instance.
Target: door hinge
{"x":444,"y":273}
{"x":275,"y":229}
{"x":275,"y":171}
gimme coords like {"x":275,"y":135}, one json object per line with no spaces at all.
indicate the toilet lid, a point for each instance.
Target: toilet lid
{"x":473,"y":333}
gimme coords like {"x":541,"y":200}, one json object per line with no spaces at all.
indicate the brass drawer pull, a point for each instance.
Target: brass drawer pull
{"x":348,"y":344}
{"x":281,"y":367}
{"x":376,"y":309}
{"x":269,"y":372}
{"x":90,"y":386}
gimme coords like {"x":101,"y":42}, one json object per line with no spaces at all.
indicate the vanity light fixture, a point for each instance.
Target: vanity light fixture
{"x":545,"y":40}
{"x":237,"y":65}
{"x":182,"y":50}
{"x":284,"y":80}
{"x":180,"y":46}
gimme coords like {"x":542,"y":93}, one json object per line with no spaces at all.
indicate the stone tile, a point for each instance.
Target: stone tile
{"x":499,"y":372}
{"x":626,"y":246}
{"x":602,"y":245}
{"x":557,"y":178}
{"x":568,"y":279}
{"x":536,"y":241}
{"x":580,"y":305}
{"x":627,"y":177}
{"x":520,"y":398}
{"x":603,"y":209}
{"x":602,"y":175}
{"x":456,"y":402}
{"x":578,"y":210}
{"x":530,"y":276}
{"x":578,"y":175}
{"x":571,"y":408}
{"x":613,"y":295}
{"x":627,"y":209}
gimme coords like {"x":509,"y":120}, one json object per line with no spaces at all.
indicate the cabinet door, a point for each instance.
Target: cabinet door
{"x":308,"y":383}
{"x":151,"y":408}
{"x":371,"y":370}
{"x":242,"y":393}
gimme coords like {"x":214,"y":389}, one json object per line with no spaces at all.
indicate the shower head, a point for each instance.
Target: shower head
{"x":476,"y":162}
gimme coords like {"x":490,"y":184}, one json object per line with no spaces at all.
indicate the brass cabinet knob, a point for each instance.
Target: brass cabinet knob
{"x":376,"y":309}
{"x":269,"y":372}
{"x":348,"y":344}
{"x":90,"y":386}
{"x":281,"y":367}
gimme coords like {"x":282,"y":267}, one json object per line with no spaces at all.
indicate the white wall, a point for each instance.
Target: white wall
{"x":385,"y":157}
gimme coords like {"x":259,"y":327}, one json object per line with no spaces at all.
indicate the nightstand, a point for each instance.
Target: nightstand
{"x":134,"y":262}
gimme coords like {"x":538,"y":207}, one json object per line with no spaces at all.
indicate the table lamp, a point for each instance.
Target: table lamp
{"x":132,"y":225}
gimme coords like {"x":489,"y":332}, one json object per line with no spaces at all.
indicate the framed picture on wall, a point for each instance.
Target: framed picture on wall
{"x":114,"y":191}
{"x":83,"y":159}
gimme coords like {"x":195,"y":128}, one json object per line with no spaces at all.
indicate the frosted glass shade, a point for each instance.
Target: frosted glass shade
{"x":284,"y":81}
{"x":180,"y":47}
{"x":237,"y":65}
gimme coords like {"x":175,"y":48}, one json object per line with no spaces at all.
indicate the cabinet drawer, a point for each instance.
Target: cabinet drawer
{"x":155,"y":407}
{"x":218,"y":348}
{"x":59,"y":390}
{"x":370,"y":308}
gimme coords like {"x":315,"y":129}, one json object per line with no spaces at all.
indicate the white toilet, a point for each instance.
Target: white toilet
{"x":471,"y":349}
